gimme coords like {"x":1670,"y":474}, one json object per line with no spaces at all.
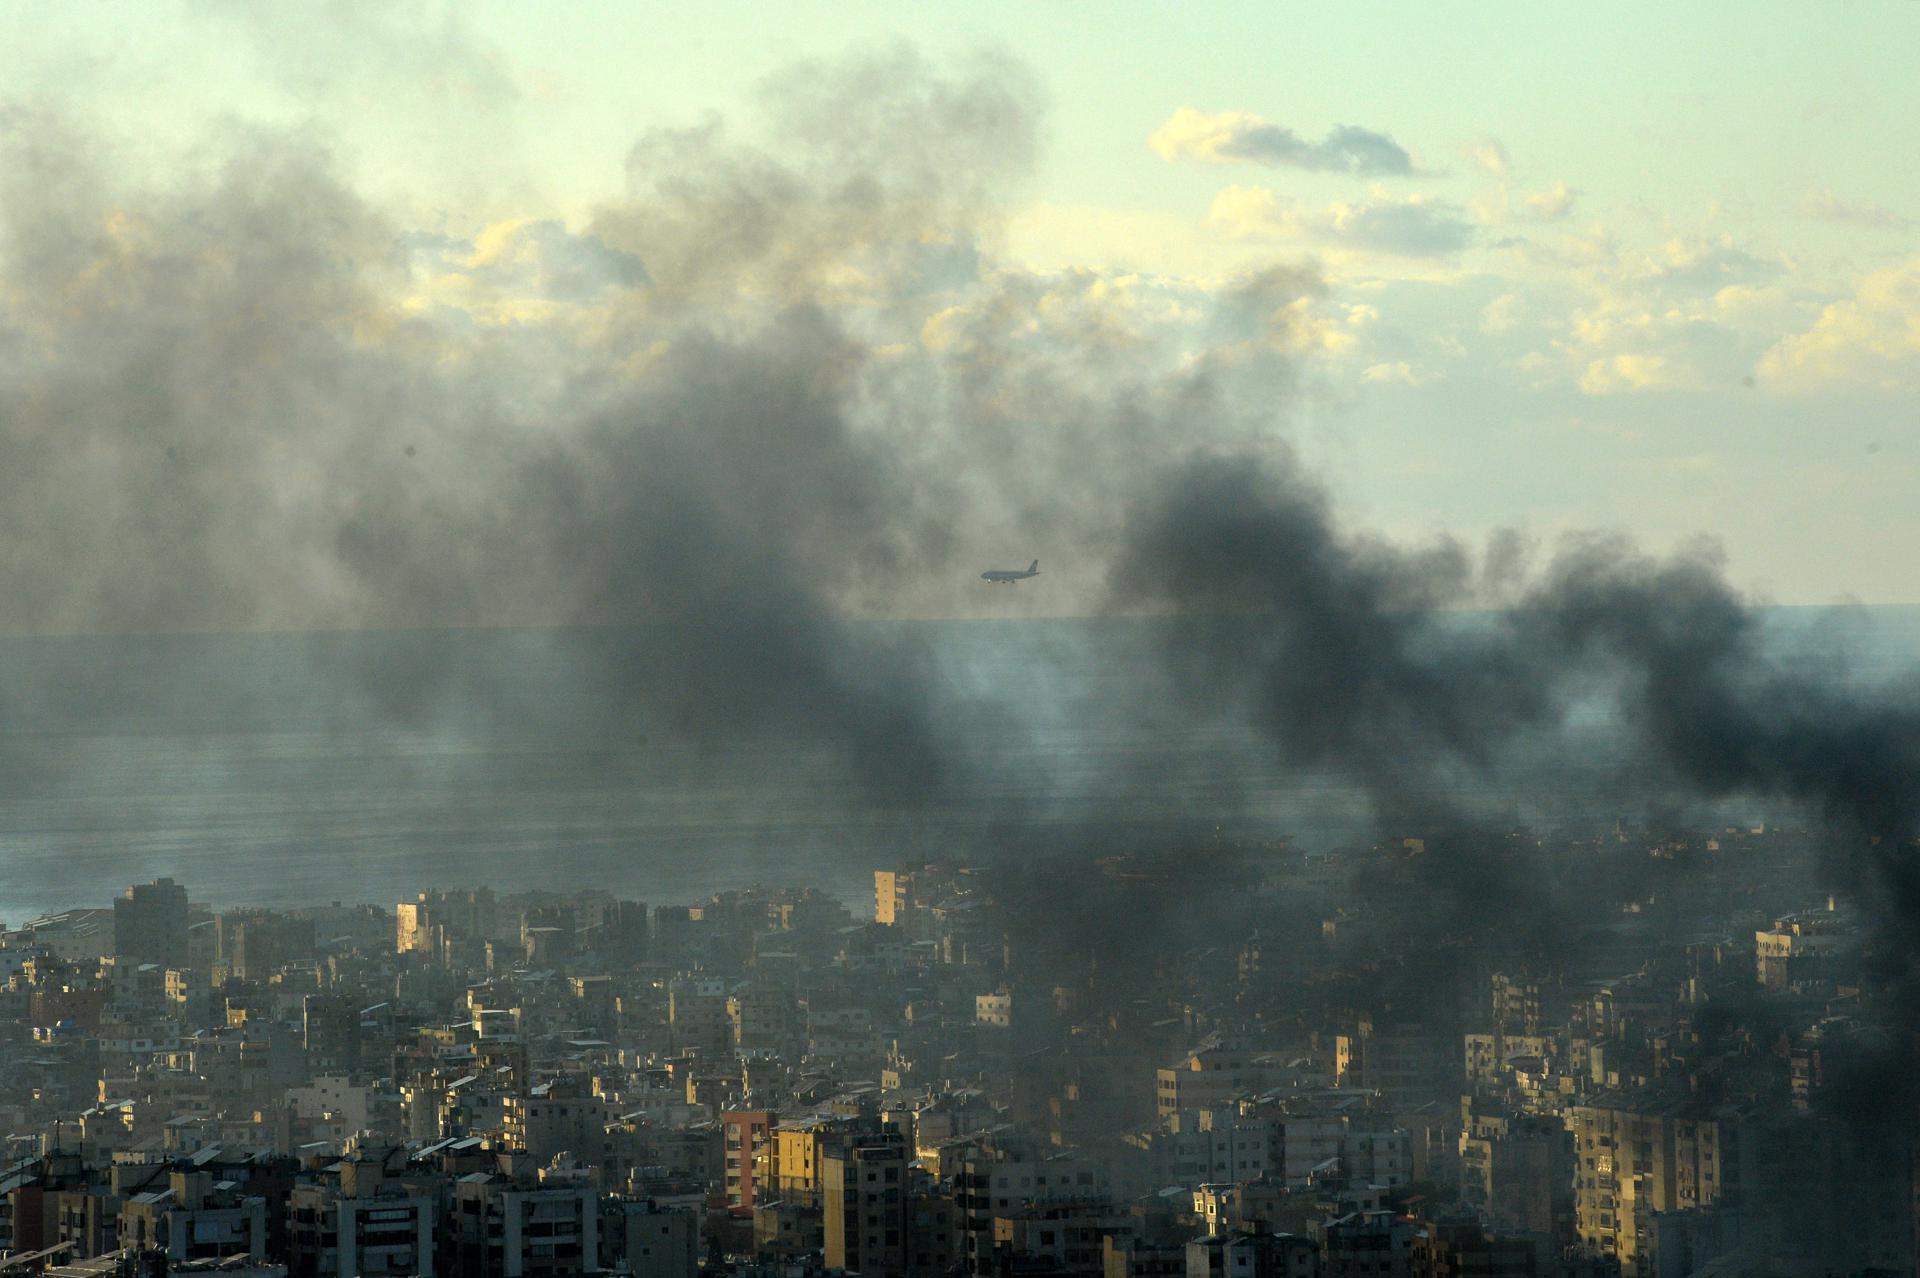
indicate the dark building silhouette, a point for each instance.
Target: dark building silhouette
{"x":150,"y":923}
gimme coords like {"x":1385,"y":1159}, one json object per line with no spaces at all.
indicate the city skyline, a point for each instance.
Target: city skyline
{"x":527,"y":751}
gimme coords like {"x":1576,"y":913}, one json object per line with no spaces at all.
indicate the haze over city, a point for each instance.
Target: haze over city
{"x":622,"y":617}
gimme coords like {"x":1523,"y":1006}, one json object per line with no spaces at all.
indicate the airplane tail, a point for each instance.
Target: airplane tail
{"x":1033,"y":567}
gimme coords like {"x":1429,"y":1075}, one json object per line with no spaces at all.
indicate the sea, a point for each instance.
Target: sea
{"x":308,"y":769}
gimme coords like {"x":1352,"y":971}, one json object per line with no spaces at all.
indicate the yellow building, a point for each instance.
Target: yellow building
{"x":1635,"y":1158}
{"x":797,"y":1150}
{"x":892,"y":891}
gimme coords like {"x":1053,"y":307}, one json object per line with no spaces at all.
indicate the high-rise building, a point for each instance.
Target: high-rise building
{"x":892,"y":896}
{"x":1408,"y":1063}
{"x":1212,"y":1078}
{"x":254,"y":944}
{"x":498,"y":1228}
{"x":619,"y":931}
{"x":864,"y":1194}
{"x":1638,"y":1157}
{"x":997,"y":1178}
{"x":763,"y":1015}
{"x":554,"y":1118}
{"x":1517,"y":1170}
{"x":743,"y":1133}
{"x":697,"y":1014}
{"x":360,"y":1224}
{"x":434,"y":921}
{"x":194,"y":1218}
{"x":659,"y":1241}
{"x":1798,"y":946}
{"x":330,"y":1031}
{"x":150,"y":924}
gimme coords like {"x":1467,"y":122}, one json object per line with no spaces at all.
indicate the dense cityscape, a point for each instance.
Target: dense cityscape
{"x":959,"y":640}
{"x":1323,"y":1072}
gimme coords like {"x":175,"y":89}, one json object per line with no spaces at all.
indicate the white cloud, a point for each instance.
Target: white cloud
{"x":1627,"y":372}
{"x":1825,"y":206}
{"x":1500,"y":204}
{"x":1052,"y":237}
{"x":1498,"y":315}
{"x":1691,"y":313}
{"x":1395,"y":373}
{"x":542,"y":256}
{"x":1760,"y":308}
{"x":1869,"y":341}
{"x":1416,"y":226}
{"x":1553,"y":203}
{"x":517,"y":271}
{"x":1490,"y":157}
{"x":1239,"y":137}
{"x":1706,"y":266}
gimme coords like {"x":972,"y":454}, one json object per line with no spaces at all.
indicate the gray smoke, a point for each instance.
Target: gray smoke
{"x":1384,"y":664}
{"x":224,"y":413}
{"x":787,"y":385}
{"x":1366,"y":661}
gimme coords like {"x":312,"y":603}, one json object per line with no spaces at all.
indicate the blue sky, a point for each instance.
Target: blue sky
{"x":1645,"y":267}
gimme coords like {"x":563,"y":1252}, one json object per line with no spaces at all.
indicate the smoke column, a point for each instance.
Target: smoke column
{"x":786,"y":385}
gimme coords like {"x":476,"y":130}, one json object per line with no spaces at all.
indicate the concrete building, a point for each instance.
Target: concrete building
{"x":1253,"y":1255}
{"x":697,"y":1014}
{"x":414,"y":931}
{"x":74,"y":936}
{"x":192,"y":1219}
{"x":996,"y":1180}
{"x":330,"y":1032}
{"x":1379,"y":1158}
{"x":1446,"y":1248}
{"x":432,"y":923}
{"x":1211,"y":1078}
{"x":933,"y":1231}
{"x":1059,"y":1237}
{"x":363,"y":1223}
{"x":555,"y":1118}
{"x":659,"y":1242}
{"x":892,"y":896}
{"x":794,"y":1156}
{"x":1212,"y":1146}
{"x":1639,"y":1156}
{"x":254,"y":944}
{"x":1517,"y":1171}
{"x":863,"y":1188}
{"x":994,"y":1009}
{"x":501,"y":1228}
{"x":1368,"y":1244}
{"x":150,"y":924}
{"x":794,"y":1153}
{"x":763,"y":1016}
{"x":1797,"y":946}
{"x":743,"y":1135}
{"x":1141,"y":1258}
{"x":1407,"y":1064}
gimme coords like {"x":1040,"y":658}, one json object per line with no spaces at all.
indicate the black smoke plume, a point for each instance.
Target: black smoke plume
{"x":783,"y":388}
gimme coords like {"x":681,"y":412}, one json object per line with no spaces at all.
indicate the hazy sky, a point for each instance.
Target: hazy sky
{"x":1628,"y":266}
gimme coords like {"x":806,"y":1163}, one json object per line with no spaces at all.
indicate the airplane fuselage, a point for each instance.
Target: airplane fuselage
{"x":1007,"y":576}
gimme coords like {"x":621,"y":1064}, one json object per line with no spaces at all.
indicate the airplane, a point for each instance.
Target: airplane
{"x":1007,"y":576}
